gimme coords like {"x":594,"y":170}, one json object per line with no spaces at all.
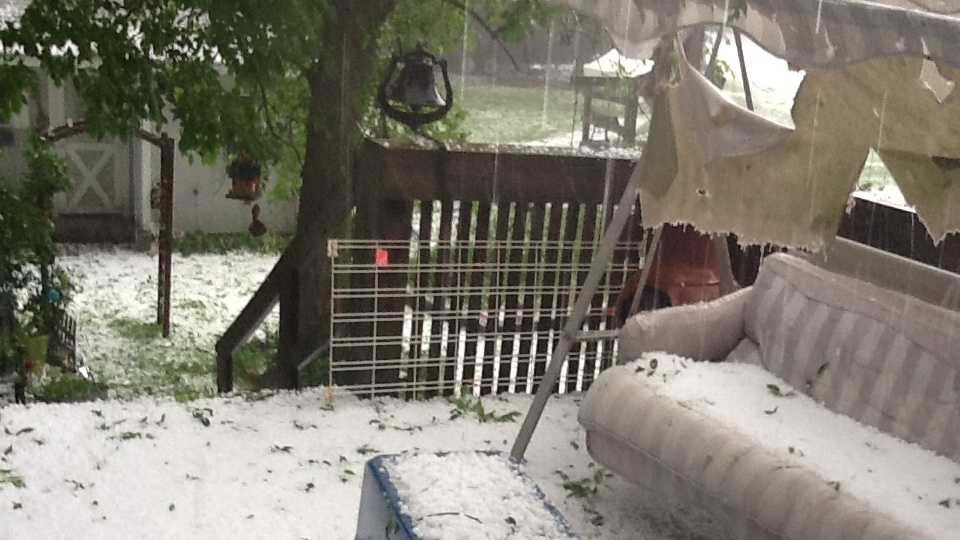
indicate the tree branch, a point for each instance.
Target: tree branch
{"x":62,"y":132}
{"x":273,"y":129}
{"x":493,"y":33}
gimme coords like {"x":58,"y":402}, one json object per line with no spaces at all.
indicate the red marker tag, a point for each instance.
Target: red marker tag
{"x":382,"y":257}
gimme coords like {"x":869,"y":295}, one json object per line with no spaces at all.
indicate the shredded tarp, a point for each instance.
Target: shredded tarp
{"x":719,"y":167}
{"x":734,"y":171}
{"x":806,"y":33}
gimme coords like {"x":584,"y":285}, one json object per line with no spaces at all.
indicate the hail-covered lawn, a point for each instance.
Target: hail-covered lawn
{"x":288,"y":465}
{"x":499,"y":114}
{"x":116,"y":309}
{"x":151,"y":463}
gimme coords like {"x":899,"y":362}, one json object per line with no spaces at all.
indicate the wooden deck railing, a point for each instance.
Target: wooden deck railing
{"x":280,"y":286}
{"x":390,"y":179}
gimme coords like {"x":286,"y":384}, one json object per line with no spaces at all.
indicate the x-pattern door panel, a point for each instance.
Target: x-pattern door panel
{"x":99,"y":182}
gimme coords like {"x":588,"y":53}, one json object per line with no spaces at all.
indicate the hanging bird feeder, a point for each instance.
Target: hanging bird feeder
{"x":257,"y":228}
{"x":409,"y":92}
{"x":244,"y":173}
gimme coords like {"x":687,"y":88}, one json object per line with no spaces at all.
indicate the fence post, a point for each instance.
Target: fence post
{"x":165,"y":241}
{"x":587,"y":110}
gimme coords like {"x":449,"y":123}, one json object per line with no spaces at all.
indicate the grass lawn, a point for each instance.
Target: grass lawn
{"x":515,"y":115}
{"x":118,"y":337}
{"x":505,"y":114}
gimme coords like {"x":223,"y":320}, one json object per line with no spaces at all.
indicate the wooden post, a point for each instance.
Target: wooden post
{"x":587,"y":110}
{"x":632,"y":105}
{"x":224,"y":373}
{"x":165,"y":241}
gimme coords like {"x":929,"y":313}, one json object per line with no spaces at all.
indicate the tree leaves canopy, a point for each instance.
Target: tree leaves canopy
{"x":232,"y":74}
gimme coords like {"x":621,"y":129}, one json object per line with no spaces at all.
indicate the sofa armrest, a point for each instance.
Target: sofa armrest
{"x":704,"y":331}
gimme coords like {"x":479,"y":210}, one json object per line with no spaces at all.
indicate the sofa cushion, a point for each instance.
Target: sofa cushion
{"x":688,"y":456}
{"x":746,"y":352}
{"x":881,"y":357}
{"x":866,"y":263}
{"x":702,"y":331}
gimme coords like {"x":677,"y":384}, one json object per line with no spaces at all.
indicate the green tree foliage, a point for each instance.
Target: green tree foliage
{"x":234,"y":75}
{"x":26,"y":225}
{"x":288,"y":82}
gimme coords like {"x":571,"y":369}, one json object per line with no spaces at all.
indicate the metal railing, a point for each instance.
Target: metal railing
{"x":424,"y":317}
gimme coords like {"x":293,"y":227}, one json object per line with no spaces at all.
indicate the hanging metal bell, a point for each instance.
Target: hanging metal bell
{"x":416,"y":85}
{"x":408,"y":93}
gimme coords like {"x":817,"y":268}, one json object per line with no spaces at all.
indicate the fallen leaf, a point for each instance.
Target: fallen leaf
{"x":366,"y":449}
{"x":775,"y":390}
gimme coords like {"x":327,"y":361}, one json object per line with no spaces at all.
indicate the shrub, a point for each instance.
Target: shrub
{"x":67,"y":388}
{"x":221,"y":243}
{"x":31,"y":285}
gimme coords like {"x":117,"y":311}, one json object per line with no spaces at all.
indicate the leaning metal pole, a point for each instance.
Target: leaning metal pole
{"x":601,"y":258}
{"x":569,"y":334}
{"x":747,"y":94}
{"x":645,"y":272}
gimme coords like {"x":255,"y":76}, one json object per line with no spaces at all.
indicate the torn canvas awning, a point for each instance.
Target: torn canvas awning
{"x":715,"y":165}
{"x":805,"y":33}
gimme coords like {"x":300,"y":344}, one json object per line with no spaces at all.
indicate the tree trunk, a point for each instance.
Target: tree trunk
{"x":338,"y":83}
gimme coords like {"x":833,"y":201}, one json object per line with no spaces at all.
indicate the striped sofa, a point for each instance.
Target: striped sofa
{"x":894,"y":363}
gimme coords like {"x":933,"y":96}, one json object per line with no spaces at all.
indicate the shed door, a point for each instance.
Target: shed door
{"x":99,"y":174}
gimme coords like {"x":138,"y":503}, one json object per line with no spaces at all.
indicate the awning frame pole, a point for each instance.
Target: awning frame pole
{"x":572,"y":327}
{"x":645,"y":271}
{"x":743,"y":69}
